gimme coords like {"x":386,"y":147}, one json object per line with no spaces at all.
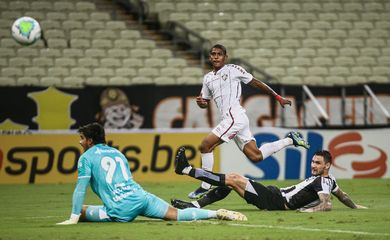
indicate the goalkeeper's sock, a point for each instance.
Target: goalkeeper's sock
{"x":216,"y":179}
{"x":270,"y":148}
{"x":213,"y":195}
{"x":190,"y":214}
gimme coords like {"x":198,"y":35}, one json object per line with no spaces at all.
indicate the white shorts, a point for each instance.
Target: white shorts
{"x":236,"y":127}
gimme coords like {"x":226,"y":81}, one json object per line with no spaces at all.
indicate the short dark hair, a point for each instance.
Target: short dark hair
{"x":220,"y":46}
{"x":325,"y":154}
{"x":94,"y":131}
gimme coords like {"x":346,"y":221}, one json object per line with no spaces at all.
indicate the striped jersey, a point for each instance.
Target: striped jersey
{"x":306,"y":192}
{"x":224,"y":86}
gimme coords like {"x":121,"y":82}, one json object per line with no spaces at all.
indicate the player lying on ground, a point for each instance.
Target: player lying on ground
{"x":223,"y":85}
{"x":310,"y":195}
{"x":107,"y":170}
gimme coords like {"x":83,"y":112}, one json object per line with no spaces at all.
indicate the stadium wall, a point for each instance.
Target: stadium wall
{"x":151,"y":106}
{"x":51,"y":157}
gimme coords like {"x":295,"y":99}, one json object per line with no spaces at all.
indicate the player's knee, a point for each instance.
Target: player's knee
{"x":172,"y":214}
{"x":232,"y":179}
{"x":255,"y":157}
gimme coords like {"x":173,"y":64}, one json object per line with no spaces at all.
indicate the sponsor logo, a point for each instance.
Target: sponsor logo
{"x":100,"y":151}
{"x":41,"y":161}
{"x":352,"y":144}
{"x":349,"y":150}
{"x":150,"y":156}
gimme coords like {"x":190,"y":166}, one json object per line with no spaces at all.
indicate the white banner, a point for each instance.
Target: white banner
{"x":356,"y":154}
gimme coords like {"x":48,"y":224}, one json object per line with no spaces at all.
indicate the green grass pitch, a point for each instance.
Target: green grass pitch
{"x":31,"y":211}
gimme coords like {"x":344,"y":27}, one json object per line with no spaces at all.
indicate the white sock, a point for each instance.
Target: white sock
{"x":196,"y":204}
{"x":186,"y":170}
{"x":212,"y":214}
{"x":270,"y":148}
{"x":207,"y":161}
{"x":207,"y":164}
{"x":205,"y":185}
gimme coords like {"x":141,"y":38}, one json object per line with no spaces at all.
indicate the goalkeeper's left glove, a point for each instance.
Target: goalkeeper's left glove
{"x":74,"y":219}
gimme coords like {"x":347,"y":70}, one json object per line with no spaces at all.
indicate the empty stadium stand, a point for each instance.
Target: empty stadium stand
{"x":332,"y":42}
{"x":86,"y":45}
{"x":310,"y":42}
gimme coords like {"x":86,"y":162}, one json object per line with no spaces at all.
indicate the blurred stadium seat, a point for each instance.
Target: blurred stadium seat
{"x":345,"y":40}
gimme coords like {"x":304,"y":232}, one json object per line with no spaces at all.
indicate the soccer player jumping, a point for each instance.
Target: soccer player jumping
{"x":107,"y":170}
{"x":223,"y":84}
{"x":311,"y":195}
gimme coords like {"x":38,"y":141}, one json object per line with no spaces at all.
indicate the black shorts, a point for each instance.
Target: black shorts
{"x":267,"y":198}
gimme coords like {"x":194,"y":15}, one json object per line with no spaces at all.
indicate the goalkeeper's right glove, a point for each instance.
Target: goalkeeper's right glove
{"x":74,"y":219}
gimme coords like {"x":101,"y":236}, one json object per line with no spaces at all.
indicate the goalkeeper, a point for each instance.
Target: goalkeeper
{"x":310,"y":195}
{"x":107,"y":170}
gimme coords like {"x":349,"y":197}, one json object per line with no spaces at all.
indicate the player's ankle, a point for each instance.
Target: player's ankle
{"x":186,"y":170}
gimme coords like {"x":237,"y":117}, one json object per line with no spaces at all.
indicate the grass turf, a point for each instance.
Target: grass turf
{"x":31,"y":211}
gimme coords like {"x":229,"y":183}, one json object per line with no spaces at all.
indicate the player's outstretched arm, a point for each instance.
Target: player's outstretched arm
{"x":77,"y":201}
{"x":346,"y":200}
{"x":264,"y":87}
{"x":324,"y":205}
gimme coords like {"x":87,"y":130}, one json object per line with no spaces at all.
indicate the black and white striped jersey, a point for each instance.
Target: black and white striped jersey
{"x":306,"y":192}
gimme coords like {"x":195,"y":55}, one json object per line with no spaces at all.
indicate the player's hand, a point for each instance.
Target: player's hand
{"x":284,"y":101}
{"x":202,"y":103}
{"x":360,"y":206}
{"x":74,"y":219}
{"x":67,"y":222}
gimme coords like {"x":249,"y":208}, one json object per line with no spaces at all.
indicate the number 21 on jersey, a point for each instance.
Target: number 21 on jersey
{"x":109,"y":165}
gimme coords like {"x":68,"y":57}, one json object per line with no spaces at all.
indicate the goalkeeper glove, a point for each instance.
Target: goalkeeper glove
{"x":74,"y":218}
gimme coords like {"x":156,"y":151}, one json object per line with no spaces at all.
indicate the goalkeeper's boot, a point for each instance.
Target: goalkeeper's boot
{"x":181,"y":161}
{"x":198,"y":193}
{"x":224,"y":214}
{"x":298,"y":140}
{"x":177,"y":203}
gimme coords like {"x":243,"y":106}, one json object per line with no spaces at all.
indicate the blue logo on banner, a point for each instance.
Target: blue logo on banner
{"x":293,"y":157}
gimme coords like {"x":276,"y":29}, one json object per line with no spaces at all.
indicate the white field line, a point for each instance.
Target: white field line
{"x":32,"y":217}
{"x":250,"y":226}
{"x":305,"y":229}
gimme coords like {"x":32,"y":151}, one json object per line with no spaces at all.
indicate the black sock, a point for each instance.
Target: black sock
{"x":216,"y":179}
{"x":214,"y":195}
